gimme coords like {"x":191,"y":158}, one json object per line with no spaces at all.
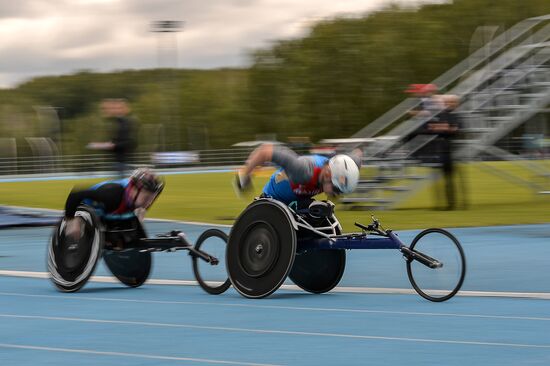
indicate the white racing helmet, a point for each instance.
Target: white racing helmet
{"x":345,"y":173}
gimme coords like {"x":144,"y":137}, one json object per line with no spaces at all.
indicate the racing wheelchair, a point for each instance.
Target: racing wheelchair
{"x":126,"y":249}
{"x":271,"y":241}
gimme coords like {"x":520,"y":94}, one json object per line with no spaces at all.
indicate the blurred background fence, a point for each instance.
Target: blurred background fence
{"x":44,"y":162}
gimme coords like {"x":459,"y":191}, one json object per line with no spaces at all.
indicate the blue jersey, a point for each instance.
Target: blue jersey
{"x":287,"y":190}
{"x":122,"y":182}
{"x":123,"y":212}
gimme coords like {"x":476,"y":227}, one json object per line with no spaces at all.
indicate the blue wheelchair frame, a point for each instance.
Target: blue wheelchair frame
{"x":304,"y":242}
{"x":328,"y":237}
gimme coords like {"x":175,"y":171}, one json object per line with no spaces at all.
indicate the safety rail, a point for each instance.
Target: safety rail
{"x":102,"y":162}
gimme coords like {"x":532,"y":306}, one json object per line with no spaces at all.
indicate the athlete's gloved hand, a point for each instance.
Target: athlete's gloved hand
{"x":140,"y":213}
{"x":242,"y":184}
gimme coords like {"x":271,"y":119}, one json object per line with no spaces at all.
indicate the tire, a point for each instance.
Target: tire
{"x":215,"y":286}
{"x":318,"y":270}
{"x":71,"y":264}
{"x":130,"y":266}
{"x":439,"y":284}
{"x":261,"y":249}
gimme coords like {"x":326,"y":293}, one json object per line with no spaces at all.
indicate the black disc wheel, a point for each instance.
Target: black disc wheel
{"x":212,"y":277}
{"x":261,"y":249}
{"x":71,"y":262}
{"x":318,"y":271}
{"x":444,"y":280}
{"x":130,"y":266}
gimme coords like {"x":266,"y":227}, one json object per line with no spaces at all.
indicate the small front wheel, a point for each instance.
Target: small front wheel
{"x":444,"y":278}
{"x":212,"y":277}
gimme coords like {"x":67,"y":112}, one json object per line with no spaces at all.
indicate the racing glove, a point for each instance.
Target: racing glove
{"x":242,"y":184}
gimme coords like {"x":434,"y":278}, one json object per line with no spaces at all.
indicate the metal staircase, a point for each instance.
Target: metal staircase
{"x":501,"y":86}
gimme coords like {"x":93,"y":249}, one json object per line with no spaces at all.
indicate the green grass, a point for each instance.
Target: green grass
{"x":210,"y":198}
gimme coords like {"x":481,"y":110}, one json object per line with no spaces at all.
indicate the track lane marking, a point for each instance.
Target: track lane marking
{"x":341,"y":289}
{"x":278,"y":332}
{"x":278,"y":307}
{"x":133,"y":355}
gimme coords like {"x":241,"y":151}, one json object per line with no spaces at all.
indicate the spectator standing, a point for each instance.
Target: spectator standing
{"x":446,"y":126}
{"x":123,"y":141}
{"x":429,"y":105}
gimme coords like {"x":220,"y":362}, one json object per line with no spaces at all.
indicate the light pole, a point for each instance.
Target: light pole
{"x":167,"y":58}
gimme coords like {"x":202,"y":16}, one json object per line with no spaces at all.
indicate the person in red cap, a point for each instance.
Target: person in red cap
{"x":429,"y":103}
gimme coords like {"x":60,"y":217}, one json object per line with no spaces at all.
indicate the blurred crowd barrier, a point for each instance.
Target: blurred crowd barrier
{"x":45,"y":162}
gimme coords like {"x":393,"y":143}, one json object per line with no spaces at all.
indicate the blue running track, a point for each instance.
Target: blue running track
{"x":504,"y":320}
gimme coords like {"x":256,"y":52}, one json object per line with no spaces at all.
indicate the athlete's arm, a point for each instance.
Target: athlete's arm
{"x":299,"y":169}
{"x":110,"y":195}
{"x":258,"y":157}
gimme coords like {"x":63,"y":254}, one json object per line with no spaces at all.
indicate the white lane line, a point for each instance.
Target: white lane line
{"x":28,"y":274}
{"x":134,"y":355}
{"x":278,"y":332}
{"x":100,"y":279}
{"x":342,"y":289}
{"x":279,"y":307}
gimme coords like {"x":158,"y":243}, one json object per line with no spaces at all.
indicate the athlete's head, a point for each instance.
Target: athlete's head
{"x":146,"y":186}
{"x":344,"y":175}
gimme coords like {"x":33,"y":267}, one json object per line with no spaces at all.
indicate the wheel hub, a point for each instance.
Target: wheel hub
{"x":260,"y":249}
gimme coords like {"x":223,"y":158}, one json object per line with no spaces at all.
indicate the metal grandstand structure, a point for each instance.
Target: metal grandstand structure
{"x":502,"y":86}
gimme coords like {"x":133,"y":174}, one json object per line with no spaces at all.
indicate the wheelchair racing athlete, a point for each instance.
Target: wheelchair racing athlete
{"x":120,"y":200}
{"x":301,"y":177}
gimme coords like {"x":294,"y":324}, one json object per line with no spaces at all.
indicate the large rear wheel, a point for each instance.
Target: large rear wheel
{"x":318,"y":271}
{"x":71,"y":262}
{"x":261,"y":249}
{"x":130,"y":266}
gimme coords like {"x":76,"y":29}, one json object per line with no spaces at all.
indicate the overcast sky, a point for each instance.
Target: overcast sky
{"x":45,"y":37}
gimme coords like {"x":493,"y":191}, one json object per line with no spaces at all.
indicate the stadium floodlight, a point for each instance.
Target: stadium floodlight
{"x":166,"y":26}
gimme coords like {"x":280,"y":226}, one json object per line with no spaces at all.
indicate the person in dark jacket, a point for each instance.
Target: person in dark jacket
{"x":446,"y":128}
{"x":123,"y":141}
